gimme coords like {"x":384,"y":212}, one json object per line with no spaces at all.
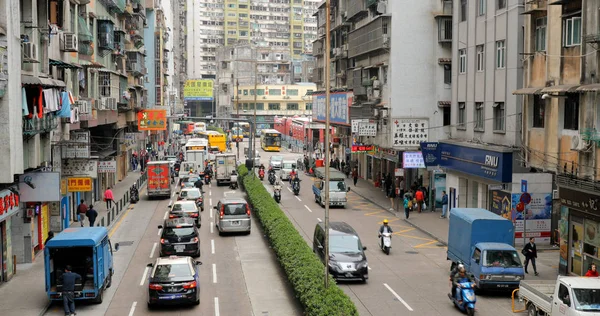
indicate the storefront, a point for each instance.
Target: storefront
{"x":9,"y":207}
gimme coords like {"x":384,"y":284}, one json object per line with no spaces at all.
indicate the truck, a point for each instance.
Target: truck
{"x":159,"y":179}
{"x":482,"y":241}
{"x":224,"y":165}
{"x":564,"y":296}
{"x":337,"y":187}
{"x":89,"y":252}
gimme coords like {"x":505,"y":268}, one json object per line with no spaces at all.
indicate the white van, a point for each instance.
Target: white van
{"x":286,"y":167}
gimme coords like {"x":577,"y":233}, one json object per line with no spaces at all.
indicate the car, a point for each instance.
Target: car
{"x":185,"y":209}
{"x":275,"y":162}
{"x":174,"y":280}
{"x":179,"y":236}
{"x":287,"y":166}
{"x":188,"y":181}
{"x":347,"y":254}
{"x":171,"y":159}
{"x":232,"y":215}
{"x":192,"y":194}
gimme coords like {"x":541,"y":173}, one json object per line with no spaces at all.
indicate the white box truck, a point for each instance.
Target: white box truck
{"x":224,"y":165}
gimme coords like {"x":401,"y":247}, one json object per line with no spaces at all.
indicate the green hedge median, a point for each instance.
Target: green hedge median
{"x":302,"y":267}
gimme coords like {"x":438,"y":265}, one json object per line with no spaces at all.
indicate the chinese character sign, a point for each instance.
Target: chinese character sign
{"x":413,"y":160}
{"x":86,"y":168}
{"x":78,"y":145}
{"x":339,"y":106}
{"x":356,"y":123}
{"x":79,"y":184}
{"x":198,"y":90}
{"x":108,"y":166}
{"x":409,"y":133}
{"x":367,"y":129}
{"x":152,"y":120}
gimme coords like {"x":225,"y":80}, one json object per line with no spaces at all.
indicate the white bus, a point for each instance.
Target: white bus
{"x":199,"y":127}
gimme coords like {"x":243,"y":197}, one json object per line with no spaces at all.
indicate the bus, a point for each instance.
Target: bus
{"x":199,"y":127}
{"x":215,"y":139}
{"x":270,"y":140}
{"x":236,"y":133}
{"x":245,"y":126}
{"x":196,"y":144}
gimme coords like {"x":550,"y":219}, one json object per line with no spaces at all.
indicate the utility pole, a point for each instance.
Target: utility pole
{"x":254,"y":131}
{"x":237,"y":106}
{"x":327,"y":133}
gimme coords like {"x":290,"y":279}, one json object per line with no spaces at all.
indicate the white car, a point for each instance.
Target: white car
{"x":286,"y":168}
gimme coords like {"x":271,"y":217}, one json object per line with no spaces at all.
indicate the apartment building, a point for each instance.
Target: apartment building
{"x":179,"y":55}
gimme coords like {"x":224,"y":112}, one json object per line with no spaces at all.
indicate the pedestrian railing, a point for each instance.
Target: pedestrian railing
{"x":119,"y":206}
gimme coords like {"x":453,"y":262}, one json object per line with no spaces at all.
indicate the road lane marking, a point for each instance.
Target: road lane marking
{"x":159,"y":231}
{"x":165,"y":216}
{"x":425,"y":244}
{"x":210,"y":193}
{"x":212,"y":246}
{"x":153,"y":249}
{"x":144,"y":276}
{"x":210,"y":202}
{"x":216,"y":306}
{"x":212,"y":224}
{"x":214,"y":266}
{"x":319,"y":219}
{"x":289,"y":189}
{"x":173,"y":195}
{"x":132,"y":309}
{"x":308,"y":208}
{"x":398,"y":297}
{"x":210,"y":214}
{"x":298,"y":198}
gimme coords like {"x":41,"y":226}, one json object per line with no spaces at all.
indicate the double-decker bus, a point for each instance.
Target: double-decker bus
{"x":270,"y":140}
{"x":215,"y":140}
{"x":244,"y":126}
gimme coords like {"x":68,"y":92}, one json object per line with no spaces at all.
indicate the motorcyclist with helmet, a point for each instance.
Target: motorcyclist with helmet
{"x":457,"y":275}
{"x":385,"y":228}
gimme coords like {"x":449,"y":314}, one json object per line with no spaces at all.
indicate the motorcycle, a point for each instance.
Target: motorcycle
{"x":207,"y":179}
{"x":387,"y":242}
{"x":277,"y":194}
{"x":134,"y":196}
{"x":233,"y":183}
{"x":261,"y":174}
{"x":296,"y":187}
{"x":464,"y":298}
{"x":272,"y":178}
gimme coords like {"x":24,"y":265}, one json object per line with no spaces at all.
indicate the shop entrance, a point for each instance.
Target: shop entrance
{"x":576,"y":236}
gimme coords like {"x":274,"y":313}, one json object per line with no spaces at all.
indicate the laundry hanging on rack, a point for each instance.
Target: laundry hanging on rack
{"x":65,"y":110}
{"x":24,"y":108}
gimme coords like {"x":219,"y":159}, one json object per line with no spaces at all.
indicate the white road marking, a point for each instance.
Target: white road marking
{"x":210,"y":202}
{"x":319,"y":219}
{"x":211,"y":227}
{"x":212,"y":246}
{"x":132,"y":309}
{"x":216,"y":306}
{"x":297,"y":198}
{"x":173,"y":195}
{"x":398,"y":297}
{"x":308,"y":208}
{"x":166,"y":214}
{"x":289,"y":189}
{"x":160,"y":232}
{"x":228,"y":192}
{"x":370,"y":268}
{"x":210,"y":214}
{"x":210,"y":193}
{"x":144,"y":276}
{"x":214,"y":273}
{"x":153,"y":249}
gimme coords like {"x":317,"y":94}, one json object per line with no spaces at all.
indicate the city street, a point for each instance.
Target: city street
{"x":413,"y":279}
{"x":239,"y":275}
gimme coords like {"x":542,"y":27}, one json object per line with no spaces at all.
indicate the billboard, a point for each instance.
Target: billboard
{"x":339,"y":107}
{"x":198,"y":90}
{"x":152,"y":120}
{"x":39,"y":187}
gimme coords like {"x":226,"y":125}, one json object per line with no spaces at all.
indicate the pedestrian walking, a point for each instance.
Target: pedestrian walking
{"x":444,"y":204}
{"x":388,"y":184}
{"x":108,"y":197}
{"x":530,"y":253}
{"x":355,"y":175}
{"x":81,"y":210}
{"x":91,"y":215}
{"x":419,"y":196}
{"x":407,"y":205}
{"x":69,"y":279}
{"x":50,"y":236}
{"x":392,"y":195}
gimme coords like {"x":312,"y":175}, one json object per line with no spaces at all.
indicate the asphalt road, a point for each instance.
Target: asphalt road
{"x":239,"y":274}
{"x":412,"y":280}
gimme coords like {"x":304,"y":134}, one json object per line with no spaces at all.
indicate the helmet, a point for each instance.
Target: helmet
{"x":461,"y":267}
{"x":385,"y":221}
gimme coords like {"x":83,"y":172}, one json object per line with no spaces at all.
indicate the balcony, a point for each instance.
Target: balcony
{"x":444,"y":28}
{"x":370,"y":37}
{"x":114,"y":6}
{"x":139,"y":9}
{"x":355,"y":8}
{"x":106,"y":36}
{"x":533,"y":6}
{"x":36,"y":125}
{"x":135,"y":63}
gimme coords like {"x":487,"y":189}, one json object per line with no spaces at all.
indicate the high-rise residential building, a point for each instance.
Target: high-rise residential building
{"x":179,"y":54}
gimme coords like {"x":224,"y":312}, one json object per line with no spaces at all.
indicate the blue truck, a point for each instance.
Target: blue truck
{"x":90,"y":254}
{"x":482,"y":241}
{"x":337,"y":187}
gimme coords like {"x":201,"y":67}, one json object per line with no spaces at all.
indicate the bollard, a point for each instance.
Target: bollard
{"x":108,"y":217}
{"x":113,"y":213}
{"x":102,"y":222}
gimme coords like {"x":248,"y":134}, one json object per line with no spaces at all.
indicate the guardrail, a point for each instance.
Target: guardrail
{"x":117,"y":209}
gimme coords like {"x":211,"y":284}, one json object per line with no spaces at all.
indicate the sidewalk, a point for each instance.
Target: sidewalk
{"x":24,"y":294}
{"x":431,"y":224}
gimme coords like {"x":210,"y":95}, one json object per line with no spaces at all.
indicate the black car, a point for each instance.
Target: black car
{"x":174,"y":280}
{"x":192,"y":194}
{"x":179,"y":237}
{"x":347,"y":254}
{"x":185,"y":208}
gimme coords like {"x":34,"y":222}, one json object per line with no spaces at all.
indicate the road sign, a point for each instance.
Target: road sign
{"x":525,"y":198}
{"x":238,"y":140}
{"x":523,"y":186}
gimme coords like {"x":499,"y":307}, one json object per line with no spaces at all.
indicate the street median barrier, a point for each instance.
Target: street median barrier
{"x":301,"y":266}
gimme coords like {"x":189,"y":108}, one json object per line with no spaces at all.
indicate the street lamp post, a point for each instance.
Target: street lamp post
{"x":327,"y":134}
{"x":254,"y":131}
{"x":237,"y":106}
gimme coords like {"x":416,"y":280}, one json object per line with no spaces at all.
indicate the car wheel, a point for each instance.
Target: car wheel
{"x":197,"y":302}
{"x":109,"y":279}
{"x":220,"y":233}
{"x":99,"y":298}
{"x":150,"y":305}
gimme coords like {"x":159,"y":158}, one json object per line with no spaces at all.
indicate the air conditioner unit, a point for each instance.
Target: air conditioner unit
{"x":30,"y":53}
{"x":386,"y":40}
{"x":555,"y":194}
{"x":102,"y":104}
{"x":68,"y":42}
{"x":74,"y":115}
{"x":578,"y":144}
{"x":84,"y":106}
{"x":111,"y":104}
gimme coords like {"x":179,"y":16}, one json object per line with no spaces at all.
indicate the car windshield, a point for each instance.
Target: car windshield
{"x":167,"y":271}
{"x":192,"y":179}
{"x":344,"y":244}
{"x":587,"y":299}
{"x":289,"y":165}
{"x":190,"y":194}
{"x":501,"y":258}
{"x":273,"y":140}
{"x":178,"y":231}
{"x":276,"y":158}
{"x":185,"y":207}
{"x":337,"y":186}
{"x":235,"y":209}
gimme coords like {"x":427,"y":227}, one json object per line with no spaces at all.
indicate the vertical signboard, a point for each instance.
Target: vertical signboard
{"x":78,"y":146}
{"x":339,"y":106}
{"x":408,"y":133}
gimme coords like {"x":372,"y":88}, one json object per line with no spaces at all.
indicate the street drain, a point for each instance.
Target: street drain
{"x":412,"y":252}
{"x":125,"y":243}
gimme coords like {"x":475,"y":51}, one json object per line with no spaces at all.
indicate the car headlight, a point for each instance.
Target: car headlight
{"x":334,"y":266}
{"x":362,"y":265}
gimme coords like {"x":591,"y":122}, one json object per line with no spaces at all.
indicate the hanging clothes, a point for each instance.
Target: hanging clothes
{"x":24,"y":102}
{"x":65,"y":110}
{"x":51,"y":100}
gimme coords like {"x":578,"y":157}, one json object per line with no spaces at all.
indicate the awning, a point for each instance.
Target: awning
{"x":565,"y":88}
{"x":92,"y":64}
{"x":443,"y":61}
{"x":444,"y":104}
{"x":38,"y":81}
{"x":525,"y":91}
{"x":62,"y":64}
{"x":589,"y":88}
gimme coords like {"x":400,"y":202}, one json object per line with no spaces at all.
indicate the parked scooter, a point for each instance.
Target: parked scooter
{"x":277,"y":192}
{"x":387,"y":242}
{"x":134,"y":195}
{"x":464,"y":298}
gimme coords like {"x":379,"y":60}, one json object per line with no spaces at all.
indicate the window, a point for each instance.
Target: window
{"x":274,"y":106}
{"x":292,"y":106}
{"x":539,"y":105}
{"x":274,"y":91}
{"x":260,"y":91}
{"x":563,"y":294}
{"x":55,"y":13}
{"x":572,"y":31}
{"x":463,"y":10}
{"x":500,"y":55}
{"x":293,"y":92}
{"x":462,"y":61}
{"x":446,"y":116}
{"x":309,"y":106}
{"x":477,"y":254}
{"x":480,"y":58}
{"x":571,"y":115}
{"x":501,"y":4}
{"x":461,"y":119}
{"x":499,"y":116}
{"x":448,"y":74}
{"x":104,"y":83}
{"x":479,"y":116}
{"x":540,"y":34}
{"x":260,"y":106}
{"x":481,"y":7}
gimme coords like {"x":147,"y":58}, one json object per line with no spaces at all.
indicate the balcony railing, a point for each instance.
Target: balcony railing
{"x":355,"y":7}
{"x":444,"y":29}
{"x":36,"y":125}
{"x":370,"y":37}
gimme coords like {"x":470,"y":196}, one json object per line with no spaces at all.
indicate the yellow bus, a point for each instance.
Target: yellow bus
{"x":244,"y":126}
{"x":270,"y":140}
{"x":236,"y":133}
{"x":215,"y":139}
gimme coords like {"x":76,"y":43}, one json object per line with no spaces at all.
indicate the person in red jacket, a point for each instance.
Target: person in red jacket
{"x":419,"y":197}
{"x":592,"y":272}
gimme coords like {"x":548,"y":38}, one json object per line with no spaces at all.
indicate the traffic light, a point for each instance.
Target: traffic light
{"x":148,"y":146}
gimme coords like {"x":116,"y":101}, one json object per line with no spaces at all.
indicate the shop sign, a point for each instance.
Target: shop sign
{"x":79,"y":184}
{"x":535,"y":217}
{"x":9,"y":204}
{"x":412,"y":160}
{"x":83,"y":168}
{"x":63,"y":186}
{"x":45,"y":186}
{"x":130,"y":140}
{"x":356,"y":123}
{"x":152,"y":120}
{"x":78,"y":146}
{"x":108,"y":166}
{"x":361,"y":148}
{"x":483,"y":163}
{"x":409,"y":133}
{"x":367,"y":129}
{"x":431,"y":153}
{"x":339,"y":107}
{"x":399,"y":172}
{"x":580,"y":200}
{"x":501,"y":203}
